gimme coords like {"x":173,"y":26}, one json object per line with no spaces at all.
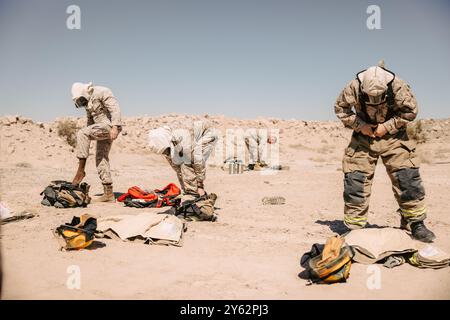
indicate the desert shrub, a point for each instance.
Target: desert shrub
{"x":317,"y":159}
{"x":297,"y":146}
{"x":442,"y":153}
{"x":67,"y":129}
{"x":416,"y":131}
{"x":23,"y":165}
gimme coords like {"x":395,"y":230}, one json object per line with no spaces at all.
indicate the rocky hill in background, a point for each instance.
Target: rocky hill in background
{"x":321,"y":141}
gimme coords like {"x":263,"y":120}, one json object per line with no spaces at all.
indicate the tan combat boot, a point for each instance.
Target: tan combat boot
{"x":260,"y":165}
{"x":108,"y":195}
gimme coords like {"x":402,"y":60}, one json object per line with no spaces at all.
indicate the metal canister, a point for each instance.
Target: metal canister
{"x":235,"y":167}
{"x":240,"y":167}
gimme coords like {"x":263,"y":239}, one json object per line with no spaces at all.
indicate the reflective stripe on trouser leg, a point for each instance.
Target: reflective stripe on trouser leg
{"x":418,"y":214}
{"x":357,"y":187}
{"x":402,"y":165}
{"x":355,"y":222}
{"x":410,"y":196}
{"x":358,"y":165}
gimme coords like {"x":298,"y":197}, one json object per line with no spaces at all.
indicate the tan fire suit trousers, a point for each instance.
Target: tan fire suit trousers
{"x":398,"y":154}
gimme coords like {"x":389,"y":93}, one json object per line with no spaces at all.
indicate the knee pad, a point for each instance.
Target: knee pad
{"x":354,"y":187}
{"x":410,"y":184}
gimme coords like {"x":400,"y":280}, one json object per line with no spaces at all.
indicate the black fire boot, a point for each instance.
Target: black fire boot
{"x":419,"y":231}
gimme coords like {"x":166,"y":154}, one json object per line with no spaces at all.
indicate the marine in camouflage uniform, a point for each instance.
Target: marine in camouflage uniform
{"x":377,"y":105}
{"x":103,"y":126}
{"x":256,"y":141}
{"x":187,"y":151}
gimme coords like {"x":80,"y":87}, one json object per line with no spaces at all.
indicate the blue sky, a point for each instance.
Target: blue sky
{"x":244,"y":58}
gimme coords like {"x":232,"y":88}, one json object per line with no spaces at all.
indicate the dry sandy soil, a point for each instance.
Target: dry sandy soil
{"x":252,"y":252}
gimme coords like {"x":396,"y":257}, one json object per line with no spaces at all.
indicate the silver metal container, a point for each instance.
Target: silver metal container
{"x":235,"y":167}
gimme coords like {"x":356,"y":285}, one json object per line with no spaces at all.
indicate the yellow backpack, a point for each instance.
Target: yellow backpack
{"x":78,"y":234}
{"x":332,"y":264}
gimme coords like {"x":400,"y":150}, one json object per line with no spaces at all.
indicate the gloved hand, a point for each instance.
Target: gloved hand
{"x":114,"y":133}
{"x":367,"y":130}
{"x":201,"y":192}
{"x":381,"y":130}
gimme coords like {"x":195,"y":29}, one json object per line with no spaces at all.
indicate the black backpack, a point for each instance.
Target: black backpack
{"x":63,"y":194}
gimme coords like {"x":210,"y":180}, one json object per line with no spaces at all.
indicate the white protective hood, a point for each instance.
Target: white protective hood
{"x":374,"y":82}
{"x":160,"y":139}
{"x":82,"y":90}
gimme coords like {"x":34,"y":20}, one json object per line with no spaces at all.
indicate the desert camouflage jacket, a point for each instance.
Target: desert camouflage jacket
{"x":405,"y":108}
{"x":103,"y":108}
{"x":193,"y":147}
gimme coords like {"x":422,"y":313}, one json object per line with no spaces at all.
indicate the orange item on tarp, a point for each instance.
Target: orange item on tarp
{"x":162,"y":196}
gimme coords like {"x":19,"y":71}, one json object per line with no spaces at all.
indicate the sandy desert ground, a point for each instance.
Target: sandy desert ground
{"x":252,"y":252}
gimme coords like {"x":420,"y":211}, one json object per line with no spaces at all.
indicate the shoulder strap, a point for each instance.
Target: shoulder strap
{"x":390,"y":96}
{"x":65,"y":185}
{"x":78,"y":200}
{"x":390,"y":99}
{"x":362,"y":101}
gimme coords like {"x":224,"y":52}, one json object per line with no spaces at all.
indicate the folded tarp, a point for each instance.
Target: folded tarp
{"x":5,"y":213}
{"x":430,"y":257}
{"x":373,"y":245}
{"x":147,"y":227}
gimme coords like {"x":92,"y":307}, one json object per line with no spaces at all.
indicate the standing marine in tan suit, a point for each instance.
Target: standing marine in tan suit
{"x":103,"y":125}
{"x":383,"y":106}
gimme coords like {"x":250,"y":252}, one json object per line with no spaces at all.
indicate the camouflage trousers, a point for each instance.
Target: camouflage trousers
{"x":256,"y":142}
{"x":100,"y":133}
{"x":398,"y":154}
{"x":188,"y":178}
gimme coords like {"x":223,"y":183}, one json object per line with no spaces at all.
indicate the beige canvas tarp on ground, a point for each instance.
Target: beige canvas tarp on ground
{"x":374,"y":244}
{"x":371,"y":245}
{"x":148,"y":227}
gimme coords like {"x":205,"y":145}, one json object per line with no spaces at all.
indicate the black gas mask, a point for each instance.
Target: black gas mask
{"x":374,"y":100}
{"x":81,"y":102}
